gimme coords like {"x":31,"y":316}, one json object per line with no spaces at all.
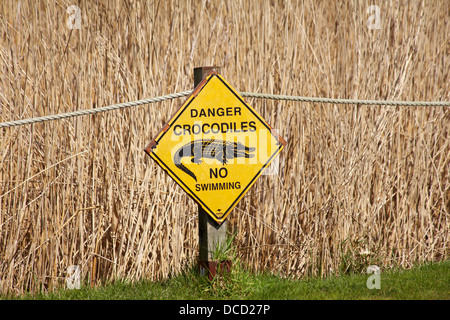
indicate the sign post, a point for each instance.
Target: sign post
{"x":215,"y":147}
{"x":211,"y":235}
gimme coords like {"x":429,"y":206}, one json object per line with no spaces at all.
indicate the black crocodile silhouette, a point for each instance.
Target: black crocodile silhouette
{"x":211,"y":149}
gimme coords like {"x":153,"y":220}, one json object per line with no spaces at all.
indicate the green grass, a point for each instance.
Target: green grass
{"x":425,"y":282}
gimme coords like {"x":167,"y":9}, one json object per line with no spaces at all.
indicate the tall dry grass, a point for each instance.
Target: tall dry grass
{"x":356,"y":185}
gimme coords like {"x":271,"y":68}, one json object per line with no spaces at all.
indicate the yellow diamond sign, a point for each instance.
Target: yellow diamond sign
{"x":215,"y":146}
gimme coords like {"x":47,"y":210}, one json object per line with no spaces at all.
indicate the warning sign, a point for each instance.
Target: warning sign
{"x":215,"y":146}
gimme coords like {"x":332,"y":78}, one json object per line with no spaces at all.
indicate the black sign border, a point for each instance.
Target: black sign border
{"x":180,"y":181}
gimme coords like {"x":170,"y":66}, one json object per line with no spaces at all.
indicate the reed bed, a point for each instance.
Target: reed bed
{"x":356,"y":184}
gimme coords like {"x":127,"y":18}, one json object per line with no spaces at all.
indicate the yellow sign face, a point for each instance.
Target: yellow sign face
{"x":215,"y":146}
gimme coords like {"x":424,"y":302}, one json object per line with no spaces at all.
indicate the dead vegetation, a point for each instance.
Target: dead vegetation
{"x":356,"y":184}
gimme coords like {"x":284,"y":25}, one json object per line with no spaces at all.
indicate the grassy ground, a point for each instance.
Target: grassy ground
{"x":426,"y":282}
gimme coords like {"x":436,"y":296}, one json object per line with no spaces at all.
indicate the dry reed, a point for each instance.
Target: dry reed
{"x":356,"y":184}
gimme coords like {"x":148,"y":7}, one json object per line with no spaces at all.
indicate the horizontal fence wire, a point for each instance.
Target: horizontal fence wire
{"x":94,"y":111}
{"x":243,"y":94}
{"x":347,"y":101}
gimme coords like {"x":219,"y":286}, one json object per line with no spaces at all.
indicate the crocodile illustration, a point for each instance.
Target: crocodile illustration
{"x":210,"y":149}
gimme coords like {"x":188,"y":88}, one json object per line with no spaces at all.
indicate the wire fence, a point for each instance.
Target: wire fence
{"x":243,"y":94}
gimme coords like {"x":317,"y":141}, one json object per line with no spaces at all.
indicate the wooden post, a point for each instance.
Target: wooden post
{"x":210,"y":233}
